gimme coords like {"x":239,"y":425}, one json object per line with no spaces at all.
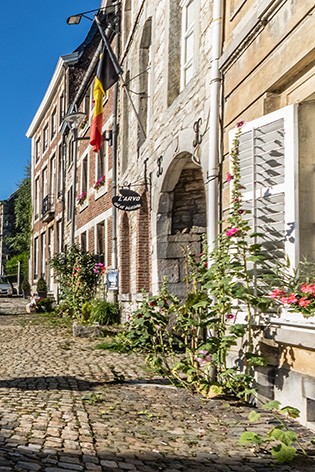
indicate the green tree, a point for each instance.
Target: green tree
{"x":19,"y":241}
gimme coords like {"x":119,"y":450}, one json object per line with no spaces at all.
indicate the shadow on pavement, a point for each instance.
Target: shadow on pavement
{"x":50,"y":383}
{"x":26,"y":458}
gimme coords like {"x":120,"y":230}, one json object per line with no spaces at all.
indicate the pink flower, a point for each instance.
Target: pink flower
{"x":304,"y":302}
{"x":230,"y":316}
{"x":231,"y":232}
{"x":276,"y":293}
{"x":292,"y":298}
{"x":229,"y":177}
{"x":308,"y":288}
{"x":239,"y":124}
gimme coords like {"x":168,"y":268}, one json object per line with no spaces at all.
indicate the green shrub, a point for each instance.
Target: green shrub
{"x":104,"y":312}
{"x":41,"y":286}
{"x":86,"y":311}
{"x":44,"y":304}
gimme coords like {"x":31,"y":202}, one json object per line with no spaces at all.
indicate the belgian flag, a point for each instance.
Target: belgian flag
{"x":107,"y":74}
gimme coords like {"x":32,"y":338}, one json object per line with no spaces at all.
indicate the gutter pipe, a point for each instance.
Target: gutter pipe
{"x":214,"y":125}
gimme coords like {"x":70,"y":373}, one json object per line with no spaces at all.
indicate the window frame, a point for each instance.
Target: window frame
{"x":186,"y":32}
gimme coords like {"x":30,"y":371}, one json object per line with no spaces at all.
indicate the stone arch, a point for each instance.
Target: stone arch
{"x":125,"y":255}
{"x":143,"y":247}
{"x":181,"y":220}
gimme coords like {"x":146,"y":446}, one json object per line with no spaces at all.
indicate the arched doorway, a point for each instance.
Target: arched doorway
{"x":181,"y":221}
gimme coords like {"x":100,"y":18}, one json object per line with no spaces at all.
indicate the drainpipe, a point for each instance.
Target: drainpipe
{"x":214,"y":134}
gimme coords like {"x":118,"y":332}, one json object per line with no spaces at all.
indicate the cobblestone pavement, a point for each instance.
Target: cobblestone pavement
{"x":61,"y":410}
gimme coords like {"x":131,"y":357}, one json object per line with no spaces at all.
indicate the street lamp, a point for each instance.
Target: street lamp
{"x":73,"y":120}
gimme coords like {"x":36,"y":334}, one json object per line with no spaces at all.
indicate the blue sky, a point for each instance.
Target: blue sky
{"x":33,"y":36}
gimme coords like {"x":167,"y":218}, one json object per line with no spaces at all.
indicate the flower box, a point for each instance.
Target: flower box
{"x":81,"y":198}
{"x":99,"y":183}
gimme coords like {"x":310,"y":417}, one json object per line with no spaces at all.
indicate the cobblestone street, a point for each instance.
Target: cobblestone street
{"x":61,"y":410}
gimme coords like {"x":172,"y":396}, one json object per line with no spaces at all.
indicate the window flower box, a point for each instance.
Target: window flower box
{"x":81,"y":198}
{"x":99,"y":183}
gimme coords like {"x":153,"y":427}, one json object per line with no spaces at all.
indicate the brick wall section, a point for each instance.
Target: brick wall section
{"x":125,"y":254}
{"x":143,"y":248}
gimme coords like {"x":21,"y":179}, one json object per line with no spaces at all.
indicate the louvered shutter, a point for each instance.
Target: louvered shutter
{"x":268,"y":167}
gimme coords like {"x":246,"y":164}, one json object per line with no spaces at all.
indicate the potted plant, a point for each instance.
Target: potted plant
{"x":42,"y":287}
{"x":26,"y":288}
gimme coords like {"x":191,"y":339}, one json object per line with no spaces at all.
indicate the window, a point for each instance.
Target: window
{"x":70,"y":152}
{"x":44,"y":183}
{"x":60,"y":169}
{"x":100,"y":241}
{"x":43,"y":254}
{"x":69,"y":204}
{"x":36,"y":198}
{"x":83,"y":241}
{"x":45,"y":138}
{"x":188,"y":41}
{"x":102,"y":158}
{"x":84,"y":175}
{"x":268,"y":168}
{"x":87,"y":102}
{"x":59,"y":240}
{"x":53,"y":123}
{"x":35,"y":258}
{"x":145,"y":81}
{"x":52,"y":175}
{"x":62,"y":106}
{"x":37,"y":149}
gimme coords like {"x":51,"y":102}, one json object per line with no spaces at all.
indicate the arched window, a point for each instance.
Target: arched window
{"x":144,"y":80}
{"x":127,"y":17}
{"x":174,"y":48}
{"x":125,"y":130}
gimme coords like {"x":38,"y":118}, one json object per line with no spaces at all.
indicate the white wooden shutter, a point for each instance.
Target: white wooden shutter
{"x":268,"y":167}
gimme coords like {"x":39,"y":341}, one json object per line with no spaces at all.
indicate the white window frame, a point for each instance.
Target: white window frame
{"x":45,"y":137}
{"x":186,"y":33}
{"x":53,"y":123}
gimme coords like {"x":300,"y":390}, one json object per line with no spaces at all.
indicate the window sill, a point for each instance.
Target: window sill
{"x":100,"y":192}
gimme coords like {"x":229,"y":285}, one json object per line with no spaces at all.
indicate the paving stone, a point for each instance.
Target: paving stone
{"x":50,"y":423}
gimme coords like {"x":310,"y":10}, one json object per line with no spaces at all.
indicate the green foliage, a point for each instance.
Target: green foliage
{"x":78,"y":274}
{"x":20,"y":242}
{"x":41,"y":285}
{"x":104,"y":312}
{"x":281,"y":439}
{"x":44,"y":304}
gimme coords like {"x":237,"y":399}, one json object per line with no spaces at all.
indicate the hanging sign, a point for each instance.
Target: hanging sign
{"x":112,"y":277}
{"x":128,"y":200}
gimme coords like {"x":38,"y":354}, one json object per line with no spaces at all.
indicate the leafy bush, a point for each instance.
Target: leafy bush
{"x":44,"y":304}
{"x":104,"y":312}
{"x":41,"y":286}
{"x":78,"y":274}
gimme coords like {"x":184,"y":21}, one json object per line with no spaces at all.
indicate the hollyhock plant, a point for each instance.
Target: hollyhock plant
{"x":231,"y":232}
{"x":229,"y":177}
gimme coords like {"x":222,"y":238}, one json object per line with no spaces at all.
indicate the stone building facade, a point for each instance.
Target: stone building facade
{"x":165,"y":55}
{"x":268,"y":75}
